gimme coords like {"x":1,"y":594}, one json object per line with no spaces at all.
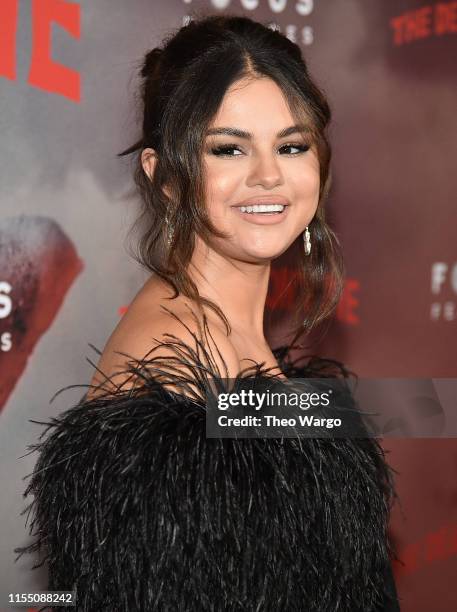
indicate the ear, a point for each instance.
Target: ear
{"x":148,"y":161}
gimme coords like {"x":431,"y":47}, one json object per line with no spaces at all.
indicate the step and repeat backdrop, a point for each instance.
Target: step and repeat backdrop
{"x":68,"y":81}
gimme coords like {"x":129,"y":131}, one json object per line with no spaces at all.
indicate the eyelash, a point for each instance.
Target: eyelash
{"x":221,"y":151}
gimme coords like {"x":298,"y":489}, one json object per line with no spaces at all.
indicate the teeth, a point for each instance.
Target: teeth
{"x":260,"y":208}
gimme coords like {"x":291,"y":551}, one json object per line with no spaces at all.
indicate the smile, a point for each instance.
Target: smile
{"x":262,"y":214}
{"x":263,"y":208}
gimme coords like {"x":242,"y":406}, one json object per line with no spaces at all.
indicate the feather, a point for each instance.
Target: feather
{"x":136,"y":509}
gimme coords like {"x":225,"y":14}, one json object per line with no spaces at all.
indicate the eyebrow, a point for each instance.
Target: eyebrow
{"x":231,"y":131}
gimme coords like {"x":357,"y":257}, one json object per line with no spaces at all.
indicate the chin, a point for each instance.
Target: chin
{"x":263,"y":255}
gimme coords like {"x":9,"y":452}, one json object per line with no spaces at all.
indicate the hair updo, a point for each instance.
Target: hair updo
{"x":183,"y":84}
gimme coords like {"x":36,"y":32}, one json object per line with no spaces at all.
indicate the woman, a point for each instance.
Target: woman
{"x":135,"y":508}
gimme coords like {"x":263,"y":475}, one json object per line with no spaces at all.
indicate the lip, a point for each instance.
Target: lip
{"x":263,"y":199}
{"x":263,"y":218}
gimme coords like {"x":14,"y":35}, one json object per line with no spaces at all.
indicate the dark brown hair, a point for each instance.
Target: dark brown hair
{"x":183,"y":85}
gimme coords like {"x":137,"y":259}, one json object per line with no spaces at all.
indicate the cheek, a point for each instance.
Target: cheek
{"x":304,"y":183}
{"x":312,"y":171}
{"x":311,"y":175}
{"x":221,"y":185}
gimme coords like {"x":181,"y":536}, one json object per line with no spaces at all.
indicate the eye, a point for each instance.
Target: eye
{"x":302,"y":148}
{"x":225,"y":150}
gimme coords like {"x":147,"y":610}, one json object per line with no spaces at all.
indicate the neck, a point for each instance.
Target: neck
{"x":238,"y":288}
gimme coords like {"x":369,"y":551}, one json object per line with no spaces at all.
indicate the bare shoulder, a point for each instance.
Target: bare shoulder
{"x":162,"y":329}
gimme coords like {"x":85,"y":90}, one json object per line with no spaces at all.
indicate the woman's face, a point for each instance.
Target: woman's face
{"x":255,"y":163}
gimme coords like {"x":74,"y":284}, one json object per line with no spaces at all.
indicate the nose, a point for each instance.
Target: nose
{"x":265,"y":171}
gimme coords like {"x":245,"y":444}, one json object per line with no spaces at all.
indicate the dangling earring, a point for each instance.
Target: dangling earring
{"x":307,"y":241}
{"x":169,"y":229}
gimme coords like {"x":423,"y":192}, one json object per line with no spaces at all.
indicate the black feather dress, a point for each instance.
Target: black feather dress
{"x":137,"y":510}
